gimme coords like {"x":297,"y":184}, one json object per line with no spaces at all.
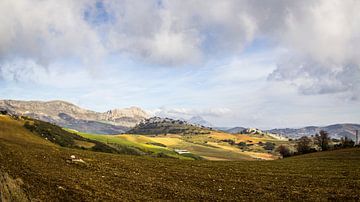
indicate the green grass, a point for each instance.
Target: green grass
{"x":150,"y":149}
{"x":46,"y":175}
{"x":198,"y":145}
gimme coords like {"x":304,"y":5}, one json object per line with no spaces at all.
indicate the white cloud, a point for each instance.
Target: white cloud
{"x":46,"y":31}
{"x":178,"y":32}
{"x":186,"y":113}
{"x":320,"y":39}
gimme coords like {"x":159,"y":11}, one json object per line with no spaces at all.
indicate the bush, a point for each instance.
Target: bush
{"x":347,"y":142}
{"x":242,"y":144}
{"x":269,"y":146}
{"x":193,"y":156}
{"x":284,"y":151}
{"x":156,"y":144}
{"x":230,"y":141}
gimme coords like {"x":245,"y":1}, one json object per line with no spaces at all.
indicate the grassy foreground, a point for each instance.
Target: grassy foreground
{"x":45,"y":174}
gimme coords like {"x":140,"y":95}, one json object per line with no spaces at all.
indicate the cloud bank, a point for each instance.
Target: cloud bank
{"x":230,"y":61}
{"x":322,"y":36}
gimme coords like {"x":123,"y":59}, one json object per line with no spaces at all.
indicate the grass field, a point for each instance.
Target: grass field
{"x":208,"y":146}
{"x":139,"y":142}
{"x":45,"y":174}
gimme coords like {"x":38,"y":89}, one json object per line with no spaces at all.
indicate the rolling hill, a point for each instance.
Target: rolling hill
{"x":335,"y":131}
{"x":157,"y":125}
{"x":235,"y":130}
{"x":166,"y":136}
{"x":210,"y":145}
{"x":33,"y":169}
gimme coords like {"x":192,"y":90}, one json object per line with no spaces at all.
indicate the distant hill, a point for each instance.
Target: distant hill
{"x":335,"y":131}
{"x":157,"y":125}
{"x":235,"y":130}
{"x":255,"y":131}
{"x":200,"y":121}
{"x":34,"y":169}
{"x":71,"y":116}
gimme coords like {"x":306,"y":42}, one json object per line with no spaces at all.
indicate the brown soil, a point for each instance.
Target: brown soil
{"x":47,"y":174}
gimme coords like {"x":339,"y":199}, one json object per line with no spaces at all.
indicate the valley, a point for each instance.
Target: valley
{"x":171,"y":100}
{"x":38,"y":166}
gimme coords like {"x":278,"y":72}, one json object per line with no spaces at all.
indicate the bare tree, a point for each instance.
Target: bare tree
{"x":322,"y":140}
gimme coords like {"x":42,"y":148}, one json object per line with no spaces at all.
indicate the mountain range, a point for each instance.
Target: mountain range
{"x":335,"y":131}
{"x":68,"y":115}
{"x":117,"y":121}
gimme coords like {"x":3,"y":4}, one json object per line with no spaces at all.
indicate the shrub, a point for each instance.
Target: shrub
{"x":230,"y":141}
{"x":284,"y":151}
{"x":242,"y":144}
{"x":347,"y":142}
{"x":156,"y":144}
{"x":269,"y":146}
{"x":193,"y":156}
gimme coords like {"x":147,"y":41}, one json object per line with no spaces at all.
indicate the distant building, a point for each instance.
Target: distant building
{"x":181,"y":151}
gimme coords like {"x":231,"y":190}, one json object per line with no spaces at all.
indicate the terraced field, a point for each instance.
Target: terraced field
{"x":36,"y":169}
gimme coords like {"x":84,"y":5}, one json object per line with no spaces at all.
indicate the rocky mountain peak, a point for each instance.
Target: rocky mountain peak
{"x":69,"y":115}
{"x":198,"y":120}
{"x":132,"y":112}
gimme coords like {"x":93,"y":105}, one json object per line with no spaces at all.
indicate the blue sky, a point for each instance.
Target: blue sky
{"x":235,"y":63}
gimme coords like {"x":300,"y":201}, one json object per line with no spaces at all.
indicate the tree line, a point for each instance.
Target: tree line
{"x":320,"y":142}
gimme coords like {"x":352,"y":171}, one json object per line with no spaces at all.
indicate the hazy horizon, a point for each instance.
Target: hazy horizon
{"x":263,"y":64}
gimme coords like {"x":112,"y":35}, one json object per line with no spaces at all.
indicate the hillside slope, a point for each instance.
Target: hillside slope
{"x":69,"y":115}
{"x":212,"y":146}
{"x":25,"y":128}
{"x":35,"y":170}
{"x":157,"y":125}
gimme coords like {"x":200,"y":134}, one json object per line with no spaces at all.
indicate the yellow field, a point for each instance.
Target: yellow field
{"x":208,"y":146}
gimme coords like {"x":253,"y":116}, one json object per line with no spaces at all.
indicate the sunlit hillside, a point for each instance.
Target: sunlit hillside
{"x":33,"y":168}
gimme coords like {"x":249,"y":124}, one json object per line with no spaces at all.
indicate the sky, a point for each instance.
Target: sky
{"x":254,"y":63}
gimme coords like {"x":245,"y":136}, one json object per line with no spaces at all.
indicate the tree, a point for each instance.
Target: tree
{"x":303,"y":145}
{"x":284,"y":151}
{"x":269,"y":146}
{"x":242,"y":144}
{"x":322,"y":140}
{"x":347,"y":142}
